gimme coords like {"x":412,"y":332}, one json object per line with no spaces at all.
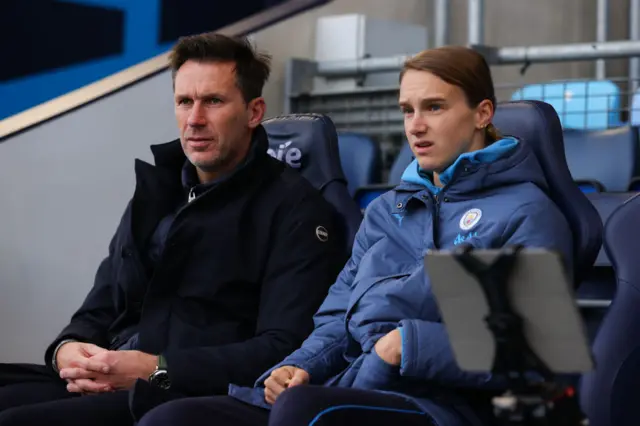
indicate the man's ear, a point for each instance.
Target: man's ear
{"x":256,"y":108}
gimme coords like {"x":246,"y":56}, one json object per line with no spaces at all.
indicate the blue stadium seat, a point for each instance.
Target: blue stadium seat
{"x":366,"y":194}
{"x":579,"y":104}
{"x":608,"y":395}
{"x":597,"y":290}
{"x":361,"y":160}
{"x":634,"y":113}
{"x":309,"y":143}
{"x":538,"y":124}
{"x":608,"y":157}
{"x":590,"y":186}
{"x":404,"y":158}
{"x":634,"y":185}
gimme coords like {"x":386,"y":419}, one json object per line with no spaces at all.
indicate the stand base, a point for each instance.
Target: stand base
{"x":541,"y":405}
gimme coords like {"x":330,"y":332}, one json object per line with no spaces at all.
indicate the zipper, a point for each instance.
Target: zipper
{"x":435,"y":227}
{"x":191,"y":199}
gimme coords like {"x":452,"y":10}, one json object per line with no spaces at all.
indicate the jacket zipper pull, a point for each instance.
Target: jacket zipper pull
{"x":192,"y":194}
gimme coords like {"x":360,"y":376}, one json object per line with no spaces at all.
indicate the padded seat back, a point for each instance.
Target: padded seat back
{"x":309,"y":143}
{"x":608,"y":394}
{"x":606,"y":156}
{"x":361,"y":159}
{"x":402,"y":161}
{"x":538,"y":123}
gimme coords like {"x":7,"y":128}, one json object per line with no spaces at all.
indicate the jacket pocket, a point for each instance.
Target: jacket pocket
{"x":377,"y":374}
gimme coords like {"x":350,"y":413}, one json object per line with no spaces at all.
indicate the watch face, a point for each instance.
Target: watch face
{"x":161,"y":379}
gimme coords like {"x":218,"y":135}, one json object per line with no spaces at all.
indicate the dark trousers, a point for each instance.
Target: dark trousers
{"x":35,"y":395}
{"x":298,"y":406}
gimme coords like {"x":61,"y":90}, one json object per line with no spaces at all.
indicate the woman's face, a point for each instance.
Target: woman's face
{"x":438,"y":122}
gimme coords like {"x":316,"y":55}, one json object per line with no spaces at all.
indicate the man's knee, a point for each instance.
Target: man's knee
{"x":22,"y":394}
{"x":19,"y":416}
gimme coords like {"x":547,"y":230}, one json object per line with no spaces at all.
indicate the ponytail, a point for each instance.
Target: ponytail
{"x":492,"y":133}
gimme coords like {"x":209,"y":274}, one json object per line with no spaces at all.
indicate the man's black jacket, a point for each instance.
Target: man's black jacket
{"x":241,"y":275}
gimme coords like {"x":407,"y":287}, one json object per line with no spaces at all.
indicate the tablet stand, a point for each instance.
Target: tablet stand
{"x":529,"y":400}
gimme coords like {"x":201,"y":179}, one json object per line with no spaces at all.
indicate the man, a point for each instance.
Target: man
{"x":213,"y":274}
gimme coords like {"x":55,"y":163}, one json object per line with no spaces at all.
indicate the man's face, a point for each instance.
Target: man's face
{"x":215,"y":122}
{"x":438,"y":121}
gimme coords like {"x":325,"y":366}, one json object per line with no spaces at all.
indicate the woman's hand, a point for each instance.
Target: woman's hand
{"x":281,"y":379}
{"x":389,"y":347}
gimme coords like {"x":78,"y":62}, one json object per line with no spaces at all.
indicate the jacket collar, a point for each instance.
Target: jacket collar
{"x":159,"y":188}
{"x":170,"y":155}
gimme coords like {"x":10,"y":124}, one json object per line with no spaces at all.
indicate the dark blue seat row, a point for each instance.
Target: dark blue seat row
{"x":598,"y":160}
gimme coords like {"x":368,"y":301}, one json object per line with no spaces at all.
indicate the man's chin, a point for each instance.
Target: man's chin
{"x":206,"y":166}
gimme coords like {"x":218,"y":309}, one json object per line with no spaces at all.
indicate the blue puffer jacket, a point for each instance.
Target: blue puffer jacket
{"x":490,"y":198}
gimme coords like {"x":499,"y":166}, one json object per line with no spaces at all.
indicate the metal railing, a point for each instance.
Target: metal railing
{"x":375,"y":111}
{"x":580,"y":103}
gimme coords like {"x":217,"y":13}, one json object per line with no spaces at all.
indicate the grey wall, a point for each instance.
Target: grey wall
{"x":63,"y":187}
{"x":64,"y":184}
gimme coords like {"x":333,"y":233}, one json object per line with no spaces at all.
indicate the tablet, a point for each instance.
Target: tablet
{"x":539,"y":291}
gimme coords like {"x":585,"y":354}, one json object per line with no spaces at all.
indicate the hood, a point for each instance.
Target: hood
{"x":506,"y":162}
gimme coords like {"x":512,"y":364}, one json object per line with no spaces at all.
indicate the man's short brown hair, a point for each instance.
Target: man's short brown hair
{"x":252,"y":67}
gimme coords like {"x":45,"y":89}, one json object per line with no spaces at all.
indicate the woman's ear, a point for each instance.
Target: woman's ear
{"x":484,"y":114}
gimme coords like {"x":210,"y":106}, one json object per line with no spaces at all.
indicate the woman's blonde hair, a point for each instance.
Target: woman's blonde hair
{"x":462,"y":67}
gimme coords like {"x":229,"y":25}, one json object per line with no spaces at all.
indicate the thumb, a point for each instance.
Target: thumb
{"x":300,"y":377}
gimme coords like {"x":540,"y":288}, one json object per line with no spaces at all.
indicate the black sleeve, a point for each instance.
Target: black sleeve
{"x":91,"y":322}
{"x":301,"y":268}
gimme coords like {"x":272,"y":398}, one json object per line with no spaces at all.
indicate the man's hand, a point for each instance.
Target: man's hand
{"x":72,"y":356}
{"x":123,"y":368}
{"x":281,"y":379}
{"x":389,"y":347}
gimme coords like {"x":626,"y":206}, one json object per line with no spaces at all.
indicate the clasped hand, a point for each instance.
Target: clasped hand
{"x":89,"y":368}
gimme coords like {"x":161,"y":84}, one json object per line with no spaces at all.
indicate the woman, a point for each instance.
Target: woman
{"x":379,"y":354}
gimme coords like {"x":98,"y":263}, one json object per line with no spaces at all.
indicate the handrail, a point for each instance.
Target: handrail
{"x":108,"y":85}
{"x":82,"y":96}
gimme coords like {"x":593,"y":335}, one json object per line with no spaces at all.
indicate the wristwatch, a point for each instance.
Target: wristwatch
{"x":160,"y":377}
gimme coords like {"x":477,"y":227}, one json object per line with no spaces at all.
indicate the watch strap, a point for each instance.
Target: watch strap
{"x":162,"y":363}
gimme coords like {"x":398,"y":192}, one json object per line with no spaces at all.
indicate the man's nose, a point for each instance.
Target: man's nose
{"x":196,"y":116}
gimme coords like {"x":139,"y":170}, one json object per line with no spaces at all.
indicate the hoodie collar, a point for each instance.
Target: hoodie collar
{"x":414,"y":175}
